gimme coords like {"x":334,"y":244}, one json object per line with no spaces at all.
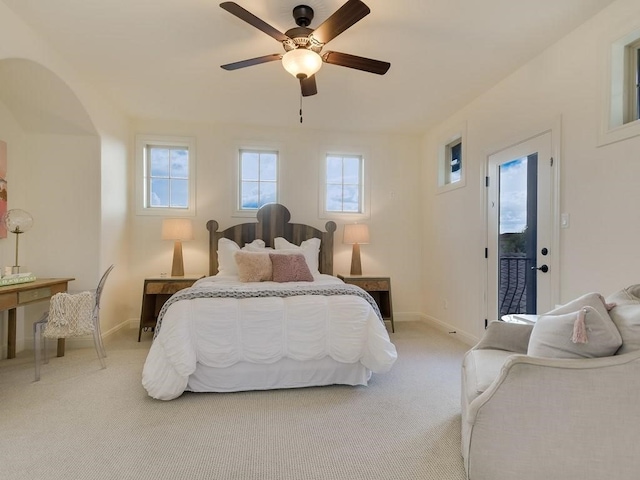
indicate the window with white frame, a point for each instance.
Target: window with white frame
{"x":632,"y":82}
{"x":451,"y":164}
{"x":258,"y":179}
{"x":621,"y":96}
{"x":344,"y":184}
{"x":165,"y":175}
{"x":453,"y":173}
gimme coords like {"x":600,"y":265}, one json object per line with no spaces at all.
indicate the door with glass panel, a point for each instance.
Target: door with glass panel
{"x":520,"y":229}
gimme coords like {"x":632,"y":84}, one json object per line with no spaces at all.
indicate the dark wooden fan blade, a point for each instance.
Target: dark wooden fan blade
{"x":347,"y":15}
{"x":359,"y":63}
{"x":308,"y":86}
{"x":235,"y":9}
{"x":252,"y":61}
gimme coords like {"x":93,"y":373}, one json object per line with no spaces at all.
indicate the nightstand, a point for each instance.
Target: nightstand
{"x":379,"y":288}
{"x":156,"y":292}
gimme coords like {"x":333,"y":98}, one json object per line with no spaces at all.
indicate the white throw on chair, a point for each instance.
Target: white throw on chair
{"x":70,"y":315}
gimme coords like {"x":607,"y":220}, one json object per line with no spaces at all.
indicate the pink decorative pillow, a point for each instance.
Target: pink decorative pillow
{"x":290,"y":268}
{"x":253,"y":266}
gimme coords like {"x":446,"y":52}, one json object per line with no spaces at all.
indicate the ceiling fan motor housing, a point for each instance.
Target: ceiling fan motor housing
{"x":303,"y":14}
{"x":300,"y":37}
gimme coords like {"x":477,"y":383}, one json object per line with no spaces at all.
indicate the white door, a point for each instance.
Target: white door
{"x":521,"y":205}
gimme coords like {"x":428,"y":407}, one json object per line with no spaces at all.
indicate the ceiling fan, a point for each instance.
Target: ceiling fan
{"x":303,"y":45}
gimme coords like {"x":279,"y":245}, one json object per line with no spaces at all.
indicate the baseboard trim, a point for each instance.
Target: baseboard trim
{"x":398,"y":317}
{"x":464,"y":337}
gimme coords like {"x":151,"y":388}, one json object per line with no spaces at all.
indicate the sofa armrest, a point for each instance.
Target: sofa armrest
{"x":579,"y":415}
{"x":512,"y":337}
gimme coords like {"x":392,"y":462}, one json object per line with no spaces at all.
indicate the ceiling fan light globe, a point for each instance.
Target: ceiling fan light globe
{"x":301,"y":63}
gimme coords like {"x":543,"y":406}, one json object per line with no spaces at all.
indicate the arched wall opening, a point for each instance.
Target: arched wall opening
{"x":54,"y":173}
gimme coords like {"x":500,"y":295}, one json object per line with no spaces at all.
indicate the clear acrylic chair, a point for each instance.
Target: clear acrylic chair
{"x":39,"y":339}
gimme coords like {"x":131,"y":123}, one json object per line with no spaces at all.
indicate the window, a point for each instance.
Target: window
{"x":454,"y":160}
{"x":165,"y":175}
{"x":632,"y":82}
{"x":167,"y":179}
{"x":344,"y":184}
{"x":451,"y":160}
{"x":620,"y":110}
{"x":258,"y":178}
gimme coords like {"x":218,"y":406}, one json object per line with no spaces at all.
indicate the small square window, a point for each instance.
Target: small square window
{"x":165,"y":175}
{"x":620,"y":106}
{"x":258,"y":183}
{"x":168,"y":176}
{"x":632,"y":82}
{"x":454,"y":160}
{"x":451,"y":163}
{"x":344,"y":184}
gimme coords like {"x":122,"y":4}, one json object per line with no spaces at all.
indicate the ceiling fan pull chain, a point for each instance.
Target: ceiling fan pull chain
{"x":300,"y":108}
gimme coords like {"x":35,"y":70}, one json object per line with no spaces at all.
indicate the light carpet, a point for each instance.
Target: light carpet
{"x":81,"y":422}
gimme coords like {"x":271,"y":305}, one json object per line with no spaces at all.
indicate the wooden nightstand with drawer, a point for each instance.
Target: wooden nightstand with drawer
{"x":379,"y":288}
{"x":156,"y":292}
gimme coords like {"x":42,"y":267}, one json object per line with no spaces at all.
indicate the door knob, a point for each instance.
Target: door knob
{"x":543,"y":268}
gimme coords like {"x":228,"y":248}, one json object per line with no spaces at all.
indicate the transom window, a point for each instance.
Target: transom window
{"x":258,"y":178}
{"x":344,"y":183}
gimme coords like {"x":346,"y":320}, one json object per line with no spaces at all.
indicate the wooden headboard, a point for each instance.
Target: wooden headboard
{"x":273,"y":221}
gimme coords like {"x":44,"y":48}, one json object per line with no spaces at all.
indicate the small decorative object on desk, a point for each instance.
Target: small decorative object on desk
{"x":17,"y":278}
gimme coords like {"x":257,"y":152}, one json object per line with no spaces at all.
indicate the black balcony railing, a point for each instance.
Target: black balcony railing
{"x":515,"y":270}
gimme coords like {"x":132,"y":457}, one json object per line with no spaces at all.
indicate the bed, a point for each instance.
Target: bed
{"x":270,"y":315}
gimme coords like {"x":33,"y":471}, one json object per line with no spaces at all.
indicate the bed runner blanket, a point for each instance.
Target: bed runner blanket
{"x":239,"y":292}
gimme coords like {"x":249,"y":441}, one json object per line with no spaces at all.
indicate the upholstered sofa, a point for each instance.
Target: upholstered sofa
{"x":559,"y":399}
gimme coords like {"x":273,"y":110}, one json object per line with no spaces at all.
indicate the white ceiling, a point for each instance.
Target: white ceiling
{"x":161,"y":58}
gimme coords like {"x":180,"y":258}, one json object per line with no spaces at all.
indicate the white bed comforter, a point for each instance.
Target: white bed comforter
{"x":220,"y":332}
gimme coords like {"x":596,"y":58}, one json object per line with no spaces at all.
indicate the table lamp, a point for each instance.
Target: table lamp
{"x":356,"y":233}
{"x":178,"y":230}
{"x":17,"y":221}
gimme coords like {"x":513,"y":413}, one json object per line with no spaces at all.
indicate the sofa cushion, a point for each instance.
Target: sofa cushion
{"x":626,"y":315}
{"x":499,"y":335}
{"x":552,"y":335}
{"x":592,"y":299}
{"x":480,"y":369}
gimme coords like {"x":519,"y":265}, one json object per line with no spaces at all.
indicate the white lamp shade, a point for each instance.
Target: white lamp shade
{"x":301,"y":63}
{"x":356,"y":233}
{"x":177,"y":229}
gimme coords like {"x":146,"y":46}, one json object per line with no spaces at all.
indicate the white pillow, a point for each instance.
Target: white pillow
{"x":226,"y":261}
{"x":593,"y":299}
{"x":227,"y":250}
{"x":626,"y":316}
{"x":309,"y":248}
{"x":257,"y":245}
{"x":551,"y":336}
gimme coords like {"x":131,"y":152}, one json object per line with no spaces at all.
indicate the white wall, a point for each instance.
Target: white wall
{"x":391,"y":161}
{"x":599,"y":185}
